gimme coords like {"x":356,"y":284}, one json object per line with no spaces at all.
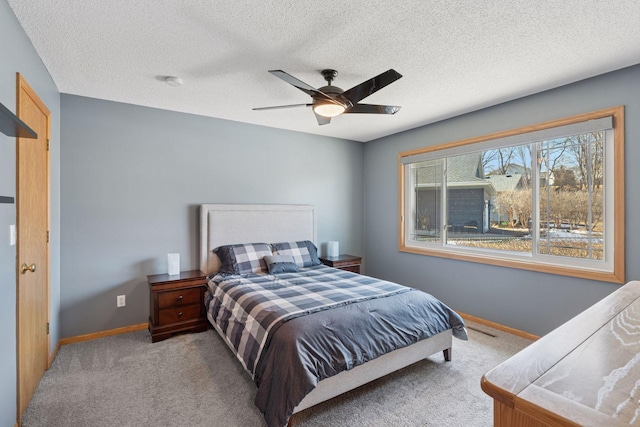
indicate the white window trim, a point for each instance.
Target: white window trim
{"x":611,"y":269}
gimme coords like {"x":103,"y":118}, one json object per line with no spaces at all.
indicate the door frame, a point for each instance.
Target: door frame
{"x":23,"y":86}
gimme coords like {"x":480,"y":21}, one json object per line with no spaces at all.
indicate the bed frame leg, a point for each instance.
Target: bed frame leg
{"x":447,"y":354}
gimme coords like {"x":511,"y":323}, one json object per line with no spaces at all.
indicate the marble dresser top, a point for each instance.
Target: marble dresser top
{"x":586,"y":372}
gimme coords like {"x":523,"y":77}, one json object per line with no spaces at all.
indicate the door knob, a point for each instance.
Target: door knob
{"x":25,"y":268}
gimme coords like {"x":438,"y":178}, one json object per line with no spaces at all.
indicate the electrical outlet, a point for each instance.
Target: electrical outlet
{"x":121,"y":301}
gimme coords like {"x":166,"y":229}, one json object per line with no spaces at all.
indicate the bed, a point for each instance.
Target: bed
{"x":311,"y":346}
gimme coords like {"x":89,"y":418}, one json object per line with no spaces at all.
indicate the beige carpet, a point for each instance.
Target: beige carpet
{"x":194,"y":380}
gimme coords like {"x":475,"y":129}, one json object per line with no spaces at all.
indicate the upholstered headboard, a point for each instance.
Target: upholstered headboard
{"x":222,"y":224}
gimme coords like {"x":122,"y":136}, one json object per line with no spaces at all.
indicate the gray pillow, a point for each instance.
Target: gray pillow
{"x":277,"y":264}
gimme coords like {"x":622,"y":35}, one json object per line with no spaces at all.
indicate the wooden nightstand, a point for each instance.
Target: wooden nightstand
{"x":177,"y":304}
{"x":343,"y":262}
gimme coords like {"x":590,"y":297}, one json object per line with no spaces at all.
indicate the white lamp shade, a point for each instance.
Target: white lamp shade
{"x":333,"y":249}
{"x":173,"y":261}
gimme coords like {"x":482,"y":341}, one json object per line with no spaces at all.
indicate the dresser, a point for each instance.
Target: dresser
{"x":584,"y":373}
{"x":177,"y":304}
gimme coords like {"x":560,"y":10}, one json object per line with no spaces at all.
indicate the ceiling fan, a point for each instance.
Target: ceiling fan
{"x":330,"y":101}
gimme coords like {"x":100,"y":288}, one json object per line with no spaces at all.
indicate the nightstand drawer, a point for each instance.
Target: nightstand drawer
{"x":179,"y":297}
{"x":351,"y":268}
{"x":179,"y":314}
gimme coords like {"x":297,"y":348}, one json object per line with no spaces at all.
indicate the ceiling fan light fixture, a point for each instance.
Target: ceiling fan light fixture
{"x":328,"y":109}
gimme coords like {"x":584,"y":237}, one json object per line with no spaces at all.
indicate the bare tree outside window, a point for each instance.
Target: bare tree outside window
{"x":572,"y":199}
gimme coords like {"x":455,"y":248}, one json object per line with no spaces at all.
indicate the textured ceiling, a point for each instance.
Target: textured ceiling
{"x":455,"y":56}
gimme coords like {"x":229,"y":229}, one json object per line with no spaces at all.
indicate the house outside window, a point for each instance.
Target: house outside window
{"x":547,"y":198}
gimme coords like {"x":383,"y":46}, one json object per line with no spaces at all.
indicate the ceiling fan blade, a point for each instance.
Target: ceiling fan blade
{"x":372,"y":109}
{"x":371,"y":86}
{"x":322,"y":120}
{"x":281,"y":106}
{"x":309,"y":90}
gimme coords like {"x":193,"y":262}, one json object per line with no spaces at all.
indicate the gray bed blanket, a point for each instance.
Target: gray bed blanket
{"x":303,"y":348}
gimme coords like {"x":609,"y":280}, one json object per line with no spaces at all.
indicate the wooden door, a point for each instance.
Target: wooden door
{"x":32,"y":164}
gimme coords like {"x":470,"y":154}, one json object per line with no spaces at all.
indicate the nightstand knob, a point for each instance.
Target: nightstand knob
{"x":180,"y":297}
{"x":179,"y":314}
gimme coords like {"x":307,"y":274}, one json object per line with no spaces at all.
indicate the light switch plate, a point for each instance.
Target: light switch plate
{"x":12,"y":235}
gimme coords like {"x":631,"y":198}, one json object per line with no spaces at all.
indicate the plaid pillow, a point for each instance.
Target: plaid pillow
{"x":304,"y":253}
{"x":243,"y":258}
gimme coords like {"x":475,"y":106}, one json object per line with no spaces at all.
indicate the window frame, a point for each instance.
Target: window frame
{"x":616,"y":272}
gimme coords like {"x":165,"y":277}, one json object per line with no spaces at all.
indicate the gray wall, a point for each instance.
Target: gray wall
{"x":132,"y":178}
{"x":529,"y":301}
{"x":18,"y":55}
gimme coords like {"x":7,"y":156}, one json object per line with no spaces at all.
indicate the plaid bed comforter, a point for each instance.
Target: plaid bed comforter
{"x":246,"y":308}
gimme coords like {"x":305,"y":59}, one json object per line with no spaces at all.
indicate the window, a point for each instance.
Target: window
{"x":548,"y":197}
